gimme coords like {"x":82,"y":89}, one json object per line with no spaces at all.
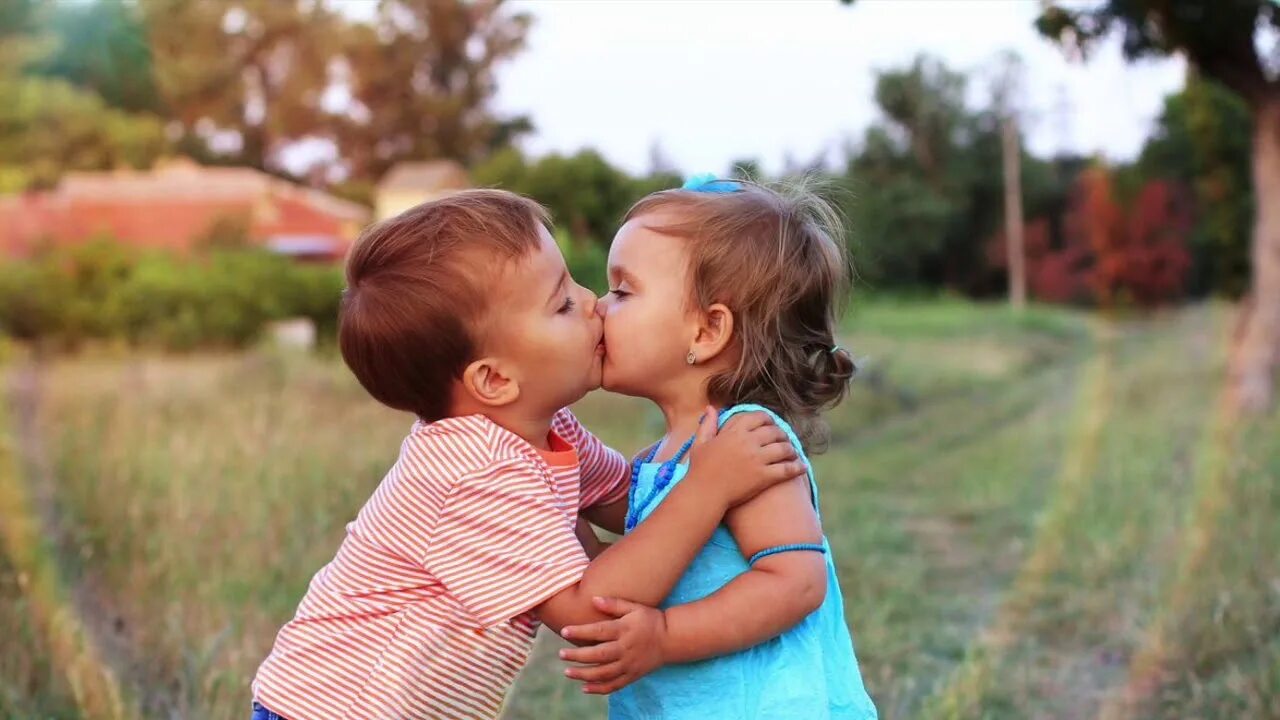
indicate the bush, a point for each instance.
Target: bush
{"x":101,"y":291}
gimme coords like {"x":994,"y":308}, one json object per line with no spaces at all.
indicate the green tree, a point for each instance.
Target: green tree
{"x":1221,"y":39}
{"x":1201,"y":139}
{"x":21,"y":41}
{"x":919,"y":189}
{"x":586,"y":195}
{"x":48,"y":125}
{"x":102,"y":46}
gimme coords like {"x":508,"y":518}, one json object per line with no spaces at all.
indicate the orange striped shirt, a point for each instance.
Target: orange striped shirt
{"x":427,"y":609}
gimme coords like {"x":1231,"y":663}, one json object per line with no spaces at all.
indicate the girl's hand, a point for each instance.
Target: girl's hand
{"x":744,"y":458}
{"x":626,"y":649}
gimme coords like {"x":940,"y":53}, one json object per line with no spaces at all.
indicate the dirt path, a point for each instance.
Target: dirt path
{"x":96,"y":652}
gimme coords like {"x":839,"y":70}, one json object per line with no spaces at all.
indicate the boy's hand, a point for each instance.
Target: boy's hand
{"x":747,"y":456}
{"x":626,"y":649}
{"x":588,"y":539}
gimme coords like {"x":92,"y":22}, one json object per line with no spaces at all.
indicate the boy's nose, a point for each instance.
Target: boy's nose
{"x":599,"y":305}
{"x":593,"y":304}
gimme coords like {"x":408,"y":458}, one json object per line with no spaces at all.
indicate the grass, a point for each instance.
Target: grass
{"x":1037,"y":515}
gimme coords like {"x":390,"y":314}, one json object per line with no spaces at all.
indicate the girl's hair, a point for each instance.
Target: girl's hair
{"x":775,"y":256}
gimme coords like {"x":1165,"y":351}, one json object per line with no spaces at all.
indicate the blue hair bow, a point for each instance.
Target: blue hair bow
{"x":707,"y":182}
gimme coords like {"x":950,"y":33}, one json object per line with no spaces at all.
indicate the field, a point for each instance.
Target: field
{"x":1050,"y":515}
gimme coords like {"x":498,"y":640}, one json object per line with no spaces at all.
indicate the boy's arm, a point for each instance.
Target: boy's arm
{"x":646,"y":564}
{"x":604,"y":475}
{"x":591,"y":543}
{"x":611,"y":517}
{"x":779,"y":591}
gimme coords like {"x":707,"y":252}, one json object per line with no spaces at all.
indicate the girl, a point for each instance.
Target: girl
{"x":724,"y":293}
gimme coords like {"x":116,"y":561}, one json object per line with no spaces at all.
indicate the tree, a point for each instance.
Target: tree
{"x":421,"y":77}
{"x":102,"y":47}
{"x":585,"y":194}
{"x":921,"y":196}
{"x":908,"y":180}
{"x":258,"y":68}
{"x":48,"y":125}
{"x":1218,"y":38}
{"x":1201,"y":140}
{"x":926,"y":104}
{"x":1100,"y":252}
{"x":20,"y":40}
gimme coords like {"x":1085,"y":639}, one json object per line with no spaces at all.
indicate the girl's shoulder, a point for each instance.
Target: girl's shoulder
{"x":733,"y":410}
{"x":777,"y":419}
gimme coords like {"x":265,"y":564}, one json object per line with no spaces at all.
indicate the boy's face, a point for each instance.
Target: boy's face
{"x":545,"y":325}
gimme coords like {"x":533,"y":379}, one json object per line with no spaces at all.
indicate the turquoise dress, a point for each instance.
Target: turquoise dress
{"x":807,"y":673}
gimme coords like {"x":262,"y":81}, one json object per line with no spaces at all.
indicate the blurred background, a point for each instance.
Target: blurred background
{"x":1053,"y":493}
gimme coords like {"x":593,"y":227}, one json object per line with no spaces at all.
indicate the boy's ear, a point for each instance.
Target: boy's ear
{"x":489,"y":382}
{"x":714,"y":333}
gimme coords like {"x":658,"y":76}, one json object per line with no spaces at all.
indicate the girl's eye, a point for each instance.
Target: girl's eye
{"x":568,"y":305}
{"x":620,"y":293}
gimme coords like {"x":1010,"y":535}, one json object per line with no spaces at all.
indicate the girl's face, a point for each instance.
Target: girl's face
{"x":648,"y":329}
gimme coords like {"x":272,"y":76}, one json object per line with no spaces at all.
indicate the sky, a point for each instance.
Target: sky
{"x":714,"y":81}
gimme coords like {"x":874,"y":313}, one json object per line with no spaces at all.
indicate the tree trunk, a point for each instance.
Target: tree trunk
{"x":1259,"y":345}
{"x":1013,"y":223}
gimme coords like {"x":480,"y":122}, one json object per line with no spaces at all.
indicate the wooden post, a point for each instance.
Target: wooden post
{"x":1013,"y":223}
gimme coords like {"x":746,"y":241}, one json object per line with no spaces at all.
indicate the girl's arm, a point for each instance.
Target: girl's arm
{"x":743,"y":458}
{"x":777,"y":592}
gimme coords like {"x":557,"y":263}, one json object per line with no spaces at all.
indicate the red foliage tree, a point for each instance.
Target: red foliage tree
{"x":1105,"y":255}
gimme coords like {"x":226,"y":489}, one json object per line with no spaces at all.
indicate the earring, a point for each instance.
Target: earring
{"x":691,"y":359}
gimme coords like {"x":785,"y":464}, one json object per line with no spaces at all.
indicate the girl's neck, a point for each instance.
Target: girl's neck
{"x":682,"y":415}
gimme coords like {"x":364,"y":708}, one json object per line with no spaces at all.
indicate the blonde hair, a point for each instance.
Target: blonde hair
{"x":775,"y":256}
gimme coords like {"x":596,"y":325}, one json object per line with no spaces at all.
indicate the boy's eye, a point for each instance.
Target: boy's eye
{"x":567,"y":306}
{"x":620,"y":293}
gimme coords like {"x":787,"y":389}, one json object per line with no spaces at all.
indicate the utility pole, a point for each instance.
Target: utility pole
{"x":1006,"y":88}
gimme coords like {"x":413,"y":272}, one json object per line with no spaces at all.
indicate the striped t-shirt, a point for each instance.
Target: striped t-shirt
{"x":427,"y":609}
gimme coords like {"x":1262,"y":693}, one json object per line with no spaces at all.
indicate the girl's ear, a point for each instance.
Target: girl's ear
{"x":713,"y":334}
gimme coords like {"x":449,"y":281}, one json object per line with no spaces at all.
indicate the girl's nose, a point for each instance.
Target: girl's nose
{"x":600,"y":304}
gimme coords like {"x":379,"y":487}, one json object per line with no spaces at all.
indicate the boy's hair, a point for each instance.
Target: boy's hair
{"x":776,"y":258}
{"x":415,"y":293}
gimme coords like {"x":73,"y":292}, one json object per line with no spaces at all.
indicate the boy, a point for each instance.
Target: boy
{"x":461,"y":311}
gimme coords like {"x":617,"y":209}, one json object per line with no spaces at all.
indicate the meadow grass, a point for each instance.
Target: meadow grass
{"x":1044,"y":514}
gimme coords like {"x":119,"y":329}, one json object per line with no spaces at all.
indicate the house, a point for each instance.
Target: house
{"x":411,"y":183}
{"x":177,"y":206}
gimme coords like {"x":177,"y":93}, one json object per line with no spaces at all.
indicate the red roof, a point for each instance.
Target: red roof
{"x":173,"y":207}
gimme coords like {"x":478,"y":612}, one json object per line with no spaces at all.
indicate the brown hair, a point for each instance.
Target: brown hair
{"x":775,"y":256}
{"x":414,"y":296}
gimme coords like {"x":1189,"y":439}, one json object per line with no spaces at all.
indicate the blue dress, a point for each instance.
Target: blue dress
{"x":807,"y":673}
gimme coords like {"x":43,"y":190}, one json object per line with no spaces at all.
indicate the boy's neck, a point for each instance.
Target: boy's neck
{"x":533,"y":428}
